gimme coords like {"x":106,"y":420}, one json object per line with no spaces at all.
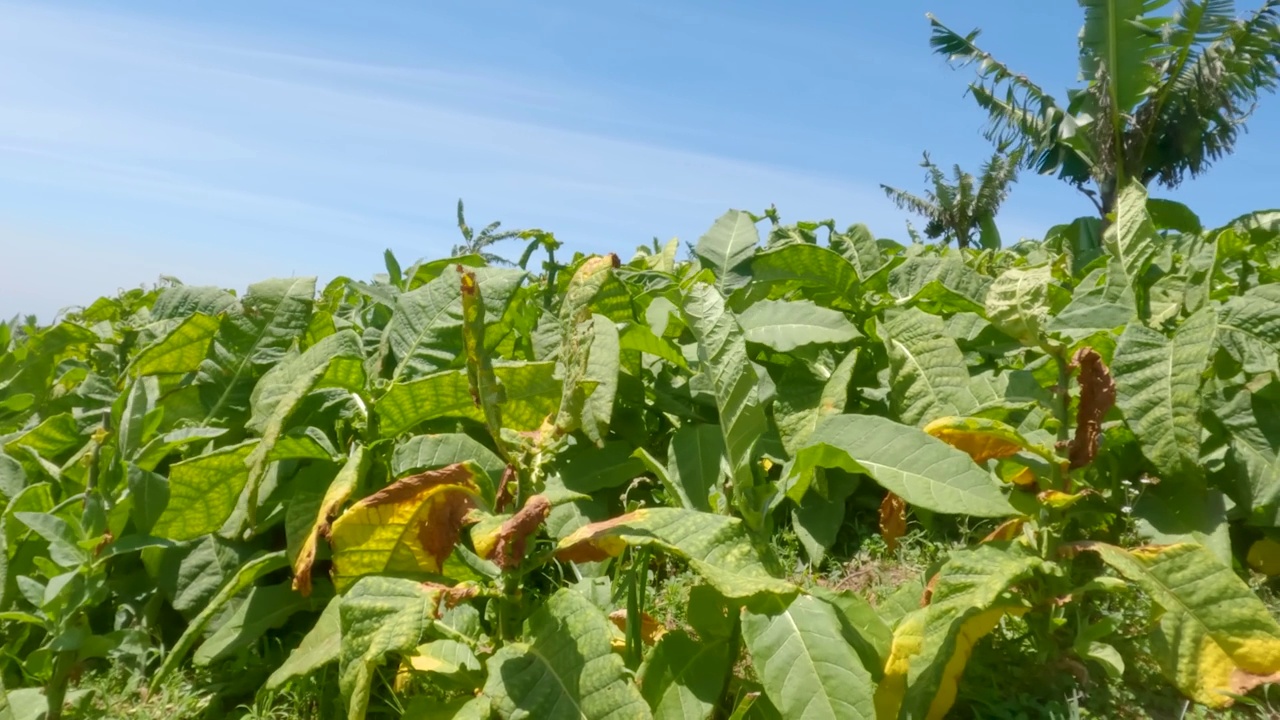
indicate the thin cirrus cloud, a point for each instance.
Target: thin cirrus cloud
{"x":130,"y":148}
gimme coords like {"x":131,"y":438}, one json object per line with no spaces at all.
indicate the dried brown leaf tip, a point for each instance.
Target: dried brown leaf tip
{"x":651,"y":631}
{"x":1097,"y":396}
{"x":451,"y":596}
{"x":893,"y":520}
{"x":504,"y":495}
{"x":510,"y":548}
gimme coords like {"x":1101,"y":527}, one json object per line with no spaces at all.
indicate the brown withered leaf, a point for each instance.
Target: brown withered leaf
{"x":1007,"y":530}
{"x":334,"y":496}
{"x":505,"y":495}
{"x":452,"y":595}
{"x":509,"y":550}
{"x":1097,"y":396}
{"x":893,"y":520}
{"x":412,"y":525}
{"x":650,"y":629}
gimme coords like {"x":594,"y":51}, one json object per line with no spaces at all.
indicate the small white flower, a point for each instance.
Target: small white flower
{"x":1126,"y":509}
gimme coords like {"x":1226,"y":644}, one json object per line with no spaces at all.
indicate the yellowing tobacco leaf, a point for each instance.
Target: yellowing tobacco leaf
{"x":410,"y":526}
{"x":981,"y":438}
{"x":337,"y":493}
{"x":506,"y":546}
{"x":893,"y":520}
{"x":1215,"y":638}
{"x":1264,"y":556}
{"x":931,"y":646}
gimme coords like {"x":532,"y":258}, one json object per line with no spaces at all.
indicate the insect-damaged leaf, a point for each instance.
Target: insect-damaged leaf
{"x":566,"y":669}
{"x":716,"y":547}
{"x":1097,"y":396}
{"x":337,"y":493}
{"x":1215,"y":636}
{"x":409,"y":527}
{"x":932,"y":645}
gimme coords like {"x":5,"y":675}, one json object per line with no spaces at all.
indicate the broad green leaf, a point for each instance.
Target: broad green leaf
{"x":683,"y":678}
{"x":920,"y":469}
{"x":1018,"y":303}
{"x":864,"y":628}
{"x":485,"y":389}
{"x":807,"y":668}
{"x":425,"y":334}
{"x":133,"y":426}
{"x":64,"y":540}
{"x":1158,"y":389}
{"x":191,"y":574}
{"x":1170,"y":215}
{"x":203,"y":492}
{"x":274,"y":315}
{"x":603,"y":365}
{"x":784,"y":325}
{"x":1180,"y":512}
{"x":425,"y":707}
{"x":817,"y":518}
{"x":1252,"y":422}
{"x":942,"y":280}
{"x":821,"y":270}
{"x":566,"y":669}
{"x":430,"y":452}
{"x":343,"y":484}
{"x":586,"y":468}
{"x":248,"y":574}
{"x":928,"y":378}
{"x":722,"y":357}
{"x":798,"y":410}
{"x":1131,"y":240}
{"x":408,"y":527}
{"x":727,"y":249}
{"x":1215,"y":636}
{"x":12,"y":477}
{"x":695,"y":464}
{"x":318,"y":648}
{"x":932,"y":645}
{"x":179,"y":352}
{"x":531,"y":389}
{"x":1102,"y":302}
{"x":641,"y":338}
{"x":1249,"y":328}
{"x":334,"y":361}
{"x":264,"y":608}
{"x":186,"y":300}
{"x":160,"y":447}
{"x":716,"y":547}
{"x":379,"y":616}
{"x":857,"y":245}
{"x":50,"y":439}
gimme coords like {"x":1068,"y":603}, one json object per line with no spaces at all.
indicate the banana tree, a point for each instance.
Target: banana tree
{"x":1166,"y":95}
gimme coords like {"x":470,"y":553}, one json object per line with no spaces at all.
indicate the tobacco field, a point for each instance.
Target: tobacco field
{"x":654,"y":486}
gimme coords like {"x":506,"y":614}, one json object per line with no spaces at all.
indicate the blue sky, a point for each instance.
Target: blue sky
{"x":224,"y":143}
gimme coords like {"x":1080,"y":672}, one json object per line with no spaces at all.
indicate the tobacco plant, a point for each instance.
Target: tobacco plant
{"x":456,"y":487}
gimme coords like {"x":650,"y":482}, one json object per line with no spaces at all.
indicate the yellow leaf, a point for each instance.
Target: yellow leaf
{"x":982,"y":439}
{"x":1264,"y":556}
{"x":651,"y":631}
{"x":410,"y":526}
{"x":337,"y":493}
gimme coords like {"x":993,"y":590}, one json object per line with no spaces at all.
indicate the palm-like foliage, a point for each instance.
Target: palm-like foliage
{"x":956,"y":209}
{"x":1166,"y":94}
{"x":474,"y":243}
